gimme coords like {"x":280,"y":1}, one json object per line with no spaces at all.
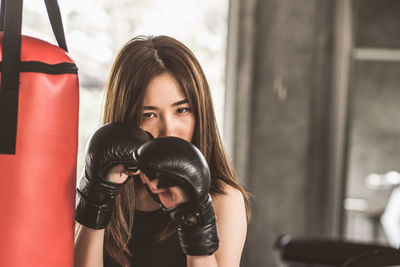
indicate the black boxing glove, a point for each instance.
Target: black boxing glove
{"x":176,"y":162}
{"x":111,"y":144}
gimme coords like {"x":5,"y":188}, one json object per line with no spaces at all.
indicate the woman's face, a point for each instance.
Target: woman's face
{"x":166,"y":110}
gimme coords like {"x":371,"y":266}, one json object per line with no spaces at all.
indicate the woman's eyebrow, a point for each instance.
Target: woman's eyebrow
{"x":149,"y":108}
{"x":184,"y":101}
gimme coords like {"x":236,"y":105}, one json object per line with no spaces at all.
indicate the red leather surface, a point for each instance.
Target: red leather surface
{"x":37,"y":192}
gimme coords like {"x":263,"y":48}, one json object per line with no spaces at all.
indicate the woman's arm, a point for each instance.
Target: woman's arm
{"x":112,"y":146}
{"x":89,"y":248}
{"x":232,"y":229}
{"x":89,"y":242}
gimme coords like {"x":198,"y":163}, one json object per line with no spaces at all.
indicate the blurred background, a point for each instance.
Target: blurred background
{"x":96,"y":30}
{"x":306,"y":93}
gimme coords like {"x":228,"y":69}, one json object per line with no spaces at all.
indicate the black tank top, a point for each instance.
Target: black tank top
{"x":145,"y":246}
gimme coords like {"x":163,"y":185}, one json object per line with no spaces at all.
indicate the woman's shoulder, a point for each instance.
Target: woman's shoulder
{"x":232,"y":225}
{"x":231,"y":198}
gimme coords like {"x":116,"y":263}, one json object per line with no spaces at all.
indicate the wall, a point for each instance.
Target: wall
{"x":280,"y":72}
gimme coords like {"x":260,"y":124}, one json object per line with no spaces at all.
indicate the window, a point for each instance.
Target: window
{"x":97,"y":29}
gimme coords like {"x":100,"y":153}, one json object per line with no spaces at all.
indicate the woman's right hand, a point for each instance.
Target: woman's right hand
{"x":109,"y":162}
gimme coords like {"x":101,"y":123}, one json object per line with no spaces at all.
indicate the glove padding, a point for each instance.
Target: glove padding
{"x":111,"y":144}
{"x":176,"y":162}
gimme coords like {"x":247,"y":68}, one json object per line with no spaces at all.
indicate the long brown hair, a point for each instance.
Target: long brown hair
{"x":139,"y":61}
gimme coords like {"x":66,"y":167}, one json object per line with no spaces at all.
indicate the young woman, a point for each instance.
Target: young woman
{"x":157,"y":83}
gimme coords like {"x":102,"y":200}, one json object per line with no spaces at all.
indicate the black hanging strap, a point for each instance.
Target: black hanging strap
{"x":3,"y":2}
{"x":10,"y":75}
{"x":54,"y":14}
{"x":53,"y":11}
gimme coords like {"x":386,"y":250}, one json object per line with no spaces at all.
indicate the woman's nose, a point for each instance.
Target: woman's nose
{"x":166,"y":127}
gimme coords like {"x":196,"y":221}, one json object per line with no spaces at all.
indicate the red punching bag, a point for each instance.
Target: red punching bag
{"x":38,"y":144}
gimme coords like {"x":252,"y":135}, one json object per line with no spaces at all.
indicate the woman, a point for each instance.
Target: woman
{"x":157,"y":83}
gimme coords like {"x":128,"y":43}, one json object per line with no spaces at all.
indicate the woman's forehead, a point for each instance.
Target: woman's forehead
{"x":163,"y":89}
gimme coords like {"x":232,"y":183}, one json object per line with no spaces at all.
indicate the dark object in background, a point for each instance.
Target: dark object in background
{"x":375,"y":259}
{"x":325,"y":252}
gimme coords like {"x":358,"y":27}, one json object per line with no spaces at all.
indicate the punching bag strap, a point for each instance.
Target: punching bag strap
{"x":10,"y":75}
{"x":10,"y":24}
{"x":3,"y":2}
{"x":53,"y":11}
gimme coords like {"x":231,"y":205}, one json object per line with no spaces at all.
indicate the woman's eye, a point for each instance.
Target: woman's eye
{"x":148,"y":115}
{"x":182,"y":110}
